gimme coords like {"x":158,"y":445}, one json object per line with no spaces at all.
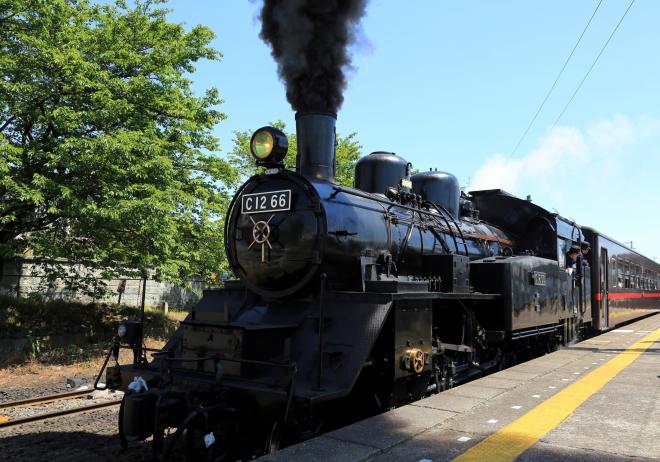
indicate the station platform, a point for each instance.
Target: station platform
{"x":598,"y":400}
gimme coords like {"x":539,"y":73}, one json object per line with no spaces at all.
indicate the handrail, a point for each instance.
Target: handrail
{"x":451,"y":231}
{"x":460,"y":231}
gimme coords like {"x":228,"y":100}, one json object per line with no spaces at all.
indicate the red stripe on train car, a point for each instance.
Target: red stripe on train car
{"x":651,"y":295}
{"x":628,"y":295}
{"x":623,"y":295}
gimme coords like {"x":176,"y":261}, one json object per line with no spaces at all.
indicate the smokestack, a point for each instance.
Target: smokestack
{"x":309,"y":40}
{"x":316,"y":145}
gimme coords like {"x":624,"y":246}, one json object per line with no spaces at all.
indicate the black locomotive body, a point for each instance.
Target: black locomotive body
{"x":350,"y":301}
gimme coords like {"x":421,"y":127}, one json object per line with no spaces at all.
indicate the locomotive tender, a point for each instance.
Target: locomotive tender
{"x":350,"y":301}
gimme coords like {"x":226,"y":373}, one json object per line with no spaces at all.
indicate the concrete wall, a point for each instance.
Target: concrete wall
{"x":22,"y":277}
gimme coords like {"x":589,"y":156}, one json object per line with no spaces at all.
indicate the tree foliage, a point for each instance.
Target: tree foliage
{"x":347,"y":153}
{"x":104,"y":146}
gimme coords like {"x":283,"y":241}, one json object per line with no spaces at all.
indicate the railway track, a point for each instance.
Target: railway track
{"x":43,"y":399}
{"x":52,"y":414}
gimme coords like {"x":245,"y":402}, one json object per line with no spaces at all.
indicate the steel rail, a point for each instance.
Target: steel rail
{"x":44,"y":399}
{"x":59,"y":413}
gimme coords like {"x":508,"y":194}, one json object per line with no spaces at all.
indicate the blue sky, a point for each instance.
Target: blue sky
{"x":453,"y":85}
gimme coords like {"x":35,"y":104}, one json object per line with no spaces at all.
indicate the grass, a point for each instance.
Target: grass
{"x":22,"y":316}
{"x":177,"y":315}
{"x":42,"y":322}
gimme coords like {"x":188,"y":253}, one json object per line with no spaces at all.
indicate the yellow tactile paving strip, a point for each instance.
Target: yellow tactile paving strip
{"x":512,"y":440}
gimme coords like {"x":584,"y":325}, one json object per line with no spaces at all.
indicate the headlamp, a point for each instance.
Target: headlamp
{"x":130,"y":333}
{"x":269,"y":145}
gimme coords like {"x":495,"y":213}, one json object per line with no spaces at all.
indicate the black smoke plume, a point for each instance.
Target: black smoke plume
{"x":309,"y":40}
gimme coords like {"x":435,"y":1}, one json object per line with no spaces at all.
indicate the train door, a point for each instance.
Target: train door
{"x":604,"y":288}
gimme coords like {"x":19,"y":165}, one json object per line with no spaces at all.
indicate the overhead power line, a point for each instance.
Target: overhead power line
{"x":594,"y":63}
{"x":554,"y":84}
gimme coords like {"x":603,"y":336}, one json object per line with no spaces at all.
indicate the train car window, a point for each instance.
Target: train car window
{"x":619,"y":281}
{"x":642,"y":278}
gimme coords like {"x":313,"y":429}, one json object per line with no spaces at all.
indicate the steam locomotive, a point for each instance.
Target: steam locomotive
{"x":351,"y":301}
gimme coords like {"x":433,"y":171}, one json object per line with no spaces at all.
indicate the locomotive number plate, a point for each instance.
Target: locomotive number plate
{"x":537,"y":278}
{"x":271,"y":201}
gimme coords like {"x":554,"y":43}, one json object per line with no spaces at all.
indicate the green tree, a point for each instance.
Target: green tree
{"x":104,"y":147}
{"x":347,"y":154}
